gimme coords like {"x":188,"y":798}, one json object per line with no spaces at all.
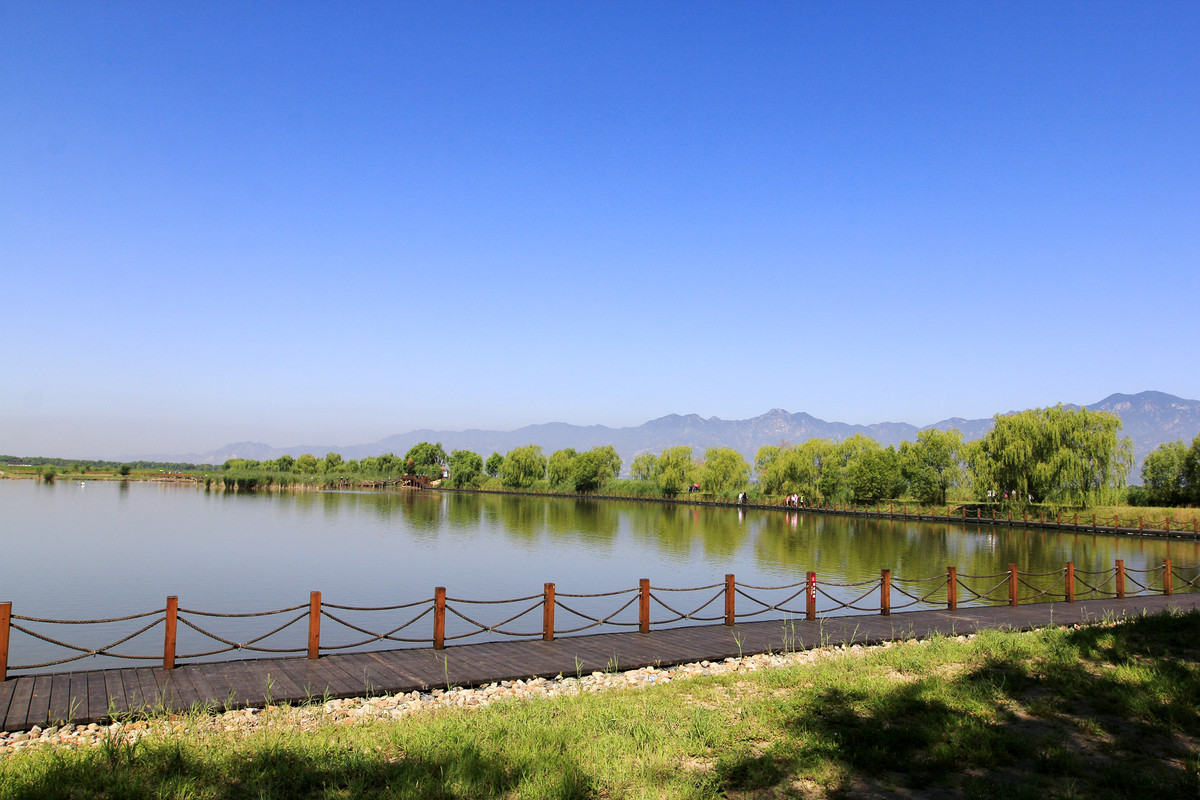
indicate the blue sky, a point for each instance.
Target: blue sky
{"x":327,"y":223}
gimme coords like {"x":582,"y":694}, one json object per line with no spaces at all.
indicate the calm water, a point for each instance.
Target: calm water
{"x":104,"y":549}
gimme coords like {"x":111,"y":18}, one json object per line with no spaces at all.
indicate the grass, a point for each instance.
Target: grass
{"x":1107,"y":711}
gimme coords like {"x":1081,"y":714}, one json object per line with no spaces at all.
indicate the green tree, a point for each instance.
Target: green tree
{"x":284,"y":463}
{"x":332,"y":462}
{"x":674,"y":470}
{"x":1191,"y":473}
{"x":1164,"y":474}
{"x":307,"y":464}
{"x":1058,"y":454}
{"x":492,"y":467}
{"x":591,"y":469}
{"x":724,"y":470}
{"x":465,"y":467}
{"x":558,"y":469}
{"x":523,"y":466}
{"x":874,"y":474}
{"x":425,"y":459}
{"x":931,"y":464}
{"x":643,"y":466}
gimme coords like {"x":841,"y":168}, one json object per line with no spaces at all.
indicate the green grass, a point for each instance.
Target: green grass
{"x":1107,"y":711}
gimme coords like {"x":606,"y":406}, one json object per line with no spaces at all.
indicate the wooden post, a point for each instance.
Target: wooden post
{"x":1070,"y":581}
{"x":1166,"y":576}
{"x":314,"y":624}
{"x":977,"y":517}
{"x":952,"y":588}
{"x":439,"y":618}
{"x":1116,"y":522}
{"x":885,"y":592}
{"x":1120,"y":579}
{"x":1168,"y":524}
{"x":730,"y":593}
{"x":1076,"y":519}
{"x":169,"y":634}
{"x":1058,"y":517}
{"x":5,"y":622}
{"x":1093,"y":522}
{"x":1012,"y":584}
{"x":644,"y":606}
{"x":1139,"y":524}
{"x":964,"y":510}
{"x":810,"y":600}
{"x":548,"y":612}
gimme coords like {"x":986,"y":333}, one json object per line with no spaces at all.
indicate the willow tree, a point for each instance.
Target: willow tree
{"x":1060,"y":454}
{"x":523,"y":466}
{"x":724,"y":470}
{"x":793,"y":470}
{"x":674,"y":470}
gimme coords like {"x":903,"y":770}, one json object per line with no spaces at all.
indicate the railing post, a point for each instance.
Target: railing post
{"x":952,"y":588}
{"x":548,"y":612}
{"x":169,"y":635}
{"x":885,"y":592}
{"x":5,"y":621}
{"x":1168,"y":524}
{"x":730,"y":594}
{"x":1139,"y":524}
{"x":1070,"y":581}
{"x":1012,"y":584}
{"x":1166,"y":576}
{"x":810,"y":597}
{"x":1120,"y":579}
{"x":439,"y":618}
{"x":644,"y":606}
{"x":314,"y":624}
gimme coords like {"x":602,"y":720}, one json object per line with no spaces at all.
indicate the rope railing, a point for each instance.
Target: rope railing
{"x":1012,"y":586}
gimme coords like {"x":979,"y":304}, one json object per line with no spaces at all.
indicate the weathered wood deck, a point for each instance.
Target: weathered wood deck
{"x":94,"y":696}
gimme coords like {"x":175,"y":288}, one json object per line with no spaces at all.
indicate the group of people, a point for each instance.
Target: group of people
{"x":795,"y":501}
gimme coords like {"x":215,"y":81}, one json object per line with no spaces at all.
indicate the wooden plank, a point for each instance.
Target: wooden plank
{"x":149,"y":688}
{"x":114,"y":687}
{"x":205,"y":694}
{"x":6,"y":692}
{"x":97,"y":706}
{"x":39,"y":701}
{"x":18,"y":705}
{"x":60,"y":699}
{"x":79,"y":694}
{"x":132,"y":689}
{"x":299,"y":677}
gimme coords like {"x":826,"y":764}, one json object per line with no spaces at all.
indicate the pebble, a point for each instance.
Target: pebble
{"x":357,"y":709}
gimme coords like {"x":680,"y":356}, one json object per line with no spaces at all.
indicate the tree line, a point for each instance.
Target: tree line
{"x":1046,"y":455}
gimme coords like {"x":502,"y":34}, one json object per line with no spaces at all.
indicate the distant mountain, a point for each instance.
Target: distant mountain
{"x":1149,"y":418}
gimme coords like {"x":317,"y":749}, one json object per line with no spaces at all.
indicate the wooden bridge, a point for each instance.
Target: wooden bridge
{"x":98,"y":695}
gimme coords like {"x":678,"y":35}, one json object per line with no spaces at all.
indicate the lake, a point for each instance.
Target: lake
{"x":98,"y":549}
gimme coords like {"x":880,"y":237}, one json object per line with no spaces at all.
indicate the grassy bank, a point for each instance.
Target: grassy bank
{"x":1108,"y":711}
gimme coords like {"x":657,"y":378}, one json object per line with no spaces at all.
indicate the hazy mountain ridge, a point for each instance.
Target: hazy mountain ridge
{"x":1149,"y":419}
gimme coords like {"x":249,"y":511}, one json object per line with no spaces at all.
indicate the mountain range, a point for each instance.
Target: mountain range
{"x":1148,"y":418}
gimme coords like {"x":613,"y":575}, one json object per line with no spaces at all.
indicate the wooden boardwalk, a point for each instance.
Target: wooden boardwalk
{"x":94,"y":696}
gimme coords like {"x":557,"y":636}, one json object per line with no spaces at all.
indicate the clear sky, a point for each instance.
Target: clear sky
{"x":326,"y":223}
